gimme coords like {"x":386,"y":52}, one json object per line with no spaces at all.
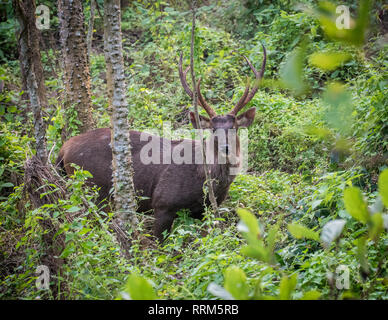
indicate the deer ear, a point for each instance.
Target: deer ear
{"x":205,"y":122}
{"x":246,"y":119}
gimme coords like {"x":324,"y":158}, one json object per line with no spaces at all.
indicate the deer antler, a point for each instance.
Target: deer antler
{"x":201,"y":100}
{"x":203,"y":103}
{"x":249,"y":94}
{"x":182,"y":76}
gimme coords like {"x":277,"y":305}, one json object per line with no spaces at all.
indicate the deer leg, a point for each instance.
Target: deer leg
{"x":163,"y":221}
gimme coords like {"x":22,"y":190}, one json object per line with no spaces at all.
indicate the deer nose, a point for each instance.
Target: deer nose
{"x":224,"y":148}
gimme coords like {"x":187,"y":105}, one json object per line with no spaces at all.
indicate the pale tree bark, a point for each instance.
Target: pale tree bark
{"x":124,"y":191}
{"x":32,"y":70}
{"x":206,"y":168}
{"x":108,"y":62}
{"x":89,"y":39}
{"x":75,"y":64}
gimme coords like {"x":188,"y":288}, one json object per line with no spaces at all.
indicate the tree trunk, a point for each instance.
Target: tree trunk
{"x":91,"y":26}
{"x":206,"y":168}
{"x":124,"y":192}
{"x":32,"y":70}
{"x":75,"y":66}
{"x":38,"y":177}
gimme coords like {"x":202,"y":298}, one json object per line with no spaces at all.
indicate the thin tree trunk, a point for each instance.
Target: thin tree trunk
{"x":108,"y":62}
{"x":75,"y":65}
{"x":32,"y":70}
{"x":124,"y":191}
{"x":206,"y":168}
{"x":38,"y":177}
{"x":91,"y":27}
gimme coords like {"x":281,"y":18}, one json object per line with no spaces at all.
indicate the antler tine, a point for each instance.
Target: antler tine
{"x":259,"y":76}
{"x":182,"y":76}
{"x":202,"y":101}
{"x":240,"y":102}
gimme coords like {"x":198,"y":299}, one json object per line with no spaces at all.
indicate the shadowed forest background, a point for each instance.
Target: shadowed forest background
{"x":314,"y":198}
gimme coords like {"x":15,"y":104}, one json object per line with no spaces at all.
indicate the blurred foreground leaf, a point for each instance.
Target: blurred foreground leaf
{"x":138,"y":288}
{"x":338,"y":24}
{"x":355,"y":204}
{"x":338,"y":114}
{"x":299,"y":231}
{"x":383,"y":186}
{"x":328,"y":60}
{"x":291,"y":74}
{"x":287,"y":285}
{"x":236,"y":283}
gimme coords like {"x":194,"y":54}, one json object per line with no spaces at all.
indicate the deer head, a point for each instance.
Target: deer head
{"x":231,"y":120}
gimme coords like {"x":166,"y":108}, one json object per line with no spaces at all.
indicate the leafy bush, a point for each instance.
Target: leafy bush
{"x":371,"y":246}
{"x":278,"y":137}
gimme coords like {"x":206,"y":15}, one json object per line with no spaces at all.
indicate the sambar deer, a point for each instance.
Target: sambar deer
{"x":169,"y":187}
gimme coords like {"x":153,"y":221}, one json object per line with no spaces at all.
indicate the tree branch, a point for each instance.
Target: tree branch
{"x":195,"y":104}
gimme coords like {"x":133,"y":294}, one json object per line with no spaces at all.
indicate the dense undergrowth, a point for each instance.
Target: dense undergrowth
{"x":308,"y":164}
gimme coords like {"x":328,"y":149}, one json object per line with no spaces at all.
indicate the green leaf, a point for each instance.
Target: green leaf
{"x":328,"y":60}
{"x":339,"y":109}
{"x":73,"y":209}
{"x":67,"y":251}
{"x":299,"y":231}
{"x":355,"y":204}
{"x":84,"y":231}
{"x":271,"y":239}
{"x":12,"y":109}
{"x":311,"y":295}
{"x":250,"y":229}
{"x":315,"y":204}
{"x":256,"y":251}
{"x":383,"y":186}
{"x":248,"y":223}
{"x":361,"y":254}
{"x":6,"y":185}
{"x":236,"y":283}
{"x":287,"y":285}
{"x":219,"y":291}
{"x":291,"y":73}
{"x":138,"y":288}
{"x":377,"y":226}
